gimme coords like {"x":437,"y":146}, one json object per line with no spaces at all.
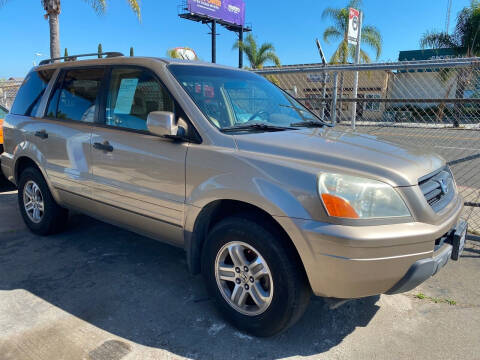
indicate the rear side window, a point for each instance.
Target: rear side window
{"x":133,"y":94}
{"x":75,"y":98}
{"x":31,"y":92}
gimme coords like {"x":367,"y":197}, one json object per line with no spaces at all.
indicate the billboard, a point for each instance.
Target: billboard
{"x":231,"y":11}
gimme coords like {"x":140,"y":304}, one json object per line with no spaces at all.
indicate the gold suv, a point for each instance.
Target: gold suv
{"x":269,"y":202}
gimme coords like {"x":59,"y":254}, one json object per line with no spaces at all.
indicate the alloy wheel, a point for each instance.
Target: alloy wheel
{"x":244,"y":278}
{"x":33,"y":201}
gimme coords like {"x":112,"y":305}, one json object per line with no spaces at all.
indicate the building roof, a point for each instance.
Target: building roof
{"x":431,"y":54}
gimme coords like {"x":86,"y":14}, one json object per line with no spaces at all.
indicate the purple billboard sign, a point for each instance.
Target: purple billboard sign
{"x":231,"y":11}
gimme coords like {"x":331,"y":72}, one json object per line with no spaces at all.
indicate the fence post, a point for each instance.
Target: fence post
{"x":324,"y":95}
{"x":334,"y":101}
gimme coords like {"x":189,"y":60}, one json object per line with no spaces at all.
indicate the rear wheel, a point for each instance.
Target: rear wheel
{"x":40,"y":212}
{"x":256,"y":282}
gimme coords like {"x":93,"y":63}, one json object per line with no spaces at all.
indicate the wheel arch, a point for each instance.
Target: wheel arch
{"x":23,"y":162}
{"x":217,"y":210}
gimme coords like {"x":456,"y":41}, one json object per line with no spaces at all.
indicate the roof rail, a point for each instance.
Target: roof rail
{"x":75,"y":57}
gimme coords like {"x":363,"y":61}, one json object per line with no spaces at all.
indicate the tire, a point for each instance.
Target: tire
{"x":285,"y":292}
{"x":53,"y":217}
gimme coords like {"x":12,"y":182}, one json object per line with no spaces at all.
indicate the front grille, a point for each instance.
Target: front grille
{"x":438,"y":188}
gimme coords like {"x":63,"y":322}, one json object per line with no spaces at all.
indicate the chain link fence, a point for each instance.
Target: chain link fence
{"x":429,"y":104}
{"x":8,"y":91}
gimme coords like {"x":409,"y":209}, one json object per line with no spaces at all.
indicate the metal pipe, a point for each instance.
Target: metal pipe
{"x":334,"y":100}
{"x":324,"y":94}
{"x":451,"y":63}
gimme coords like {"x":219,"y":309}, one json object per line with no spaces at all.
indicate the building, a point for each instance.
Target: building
{"x":8,"y":91}
{"x":307,"y":82}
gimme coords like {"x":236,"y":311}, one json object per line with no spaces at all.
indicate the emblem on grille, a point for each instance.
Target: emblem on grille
{"x":443,"y":185}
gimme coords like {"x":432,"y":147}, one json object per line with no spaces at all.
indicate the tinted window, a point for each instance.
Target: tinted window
{"x":75,"y":97}
{"x":31,"y":92}
{"x":133,"y":94}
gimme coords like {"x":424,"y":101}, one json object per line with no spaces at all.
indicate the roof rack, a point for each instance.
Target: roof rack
{"x":75,"y":57}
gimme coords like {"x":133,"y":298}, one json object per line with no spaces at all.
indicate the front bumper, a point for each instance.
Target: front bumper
{"x":357,"y":261}
{"x":423,"y":269}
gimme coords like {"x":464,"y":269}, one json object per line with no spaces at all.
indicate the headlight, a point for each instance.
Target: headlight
{"x":359,"y":198}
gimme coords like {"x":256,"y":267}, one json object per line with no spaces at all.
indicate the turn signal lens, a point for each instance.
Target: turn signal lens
{"x":339,"y":207}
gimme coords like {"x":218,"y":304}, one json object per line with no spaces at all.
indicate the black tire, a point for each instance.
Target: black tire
{"x":291,"y":291}
{"x":54,"y":217}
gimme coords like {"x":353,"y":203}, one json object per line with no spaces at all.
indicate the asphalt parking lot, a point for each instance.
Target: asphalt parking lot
{"x":99,"y":292}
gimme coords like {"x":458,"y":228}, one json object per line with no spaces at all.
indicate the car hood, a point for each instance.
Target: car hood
{"x":331,"y":150}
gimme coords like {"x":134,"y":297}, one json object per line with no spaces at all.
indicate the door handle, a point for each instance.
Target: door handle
{"x":105,"y":146}
{"x":41,"y":134}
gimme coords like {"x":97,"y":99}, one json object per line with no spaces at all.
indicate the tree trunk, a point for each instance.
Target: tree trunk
{"x":54,"y":35}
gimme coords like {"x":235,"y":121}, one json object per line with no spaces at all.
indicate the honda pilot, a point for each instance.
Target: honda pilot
{"x":270,"y":203}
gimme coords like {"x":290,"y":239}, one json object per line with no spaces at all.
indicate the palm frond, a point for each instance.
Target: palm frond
{"x":339,"y":55}
{"x":338,"y":16}
{"x":437,"y":40}
{"x":372,"y":37}
{"x":265,"y":48}
{"x":135,"y":6}
{"x":99,"y":6}
{"x":364,"y":57}
{"x":331,"y":33}
{"x":273,"y":58}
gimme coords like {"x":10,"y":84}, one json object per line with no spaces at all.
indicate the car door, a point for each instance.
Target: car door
{"x":134,"y":170}
{"x":67,"y":132}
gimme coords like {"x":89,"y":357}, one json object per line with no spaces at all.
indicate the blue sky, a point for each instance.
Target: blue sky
{"x":291,"y":26}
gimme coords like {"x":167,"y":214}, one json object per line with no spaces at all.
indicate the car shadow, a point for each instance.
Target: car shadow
{"x":5,"y":185}
{"x":141,"y":290}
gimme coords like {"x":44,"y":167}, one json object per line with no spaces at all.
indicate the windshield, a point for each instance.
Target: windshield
{"x":230,"y":98}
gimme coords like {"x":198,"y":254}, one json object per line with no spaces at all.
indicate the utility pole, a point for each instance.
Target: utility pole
{"x":355,"y":79}
{"x":240,"y":51}
{"x":214,"y":41}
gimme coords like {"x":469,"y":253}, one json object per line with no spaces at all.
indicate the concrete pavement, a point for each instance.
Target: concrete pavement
{"x":99,"y":292}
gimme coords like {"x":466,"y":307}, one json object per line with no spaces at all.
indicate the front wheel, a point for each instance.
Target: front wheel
{"x":256,"y":282}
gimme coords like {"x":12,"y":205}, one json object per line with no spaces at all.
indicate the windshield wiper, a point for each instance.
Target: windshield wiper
{"x":256,"y":126}
{"x":311,"y":123}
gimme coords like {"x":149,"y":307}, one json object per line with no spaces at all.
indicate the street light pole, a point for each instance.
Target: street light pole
{"x":355,"y":78}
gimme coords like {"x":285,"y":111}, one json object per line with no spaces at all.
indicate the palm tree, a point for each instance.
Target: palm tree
{"x":339,"y":30}
{"x":52,"y":9}
{"x":465,"y":41}
{"x":257,"y":57}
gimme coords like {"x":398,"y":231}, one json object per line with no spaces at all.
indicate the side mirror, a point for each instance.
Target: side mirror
{"x":162,"y":123}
